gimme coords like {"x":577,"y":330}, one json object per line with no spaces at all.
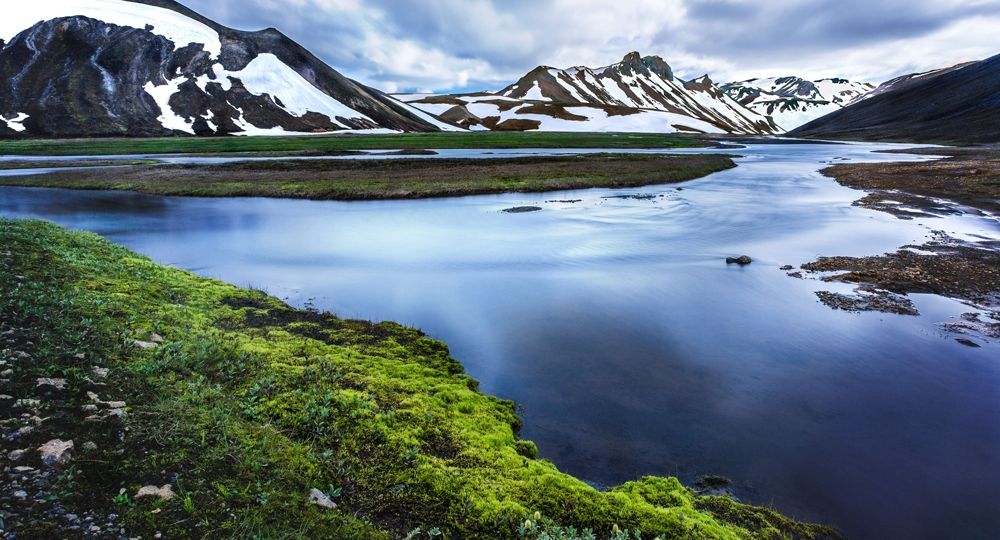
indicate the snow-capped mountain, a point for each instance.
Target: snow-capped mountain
{"x":793,"y":101}
{"x":636,"y":94}
{"x":953,"y":105}
{"x":154,"y":67}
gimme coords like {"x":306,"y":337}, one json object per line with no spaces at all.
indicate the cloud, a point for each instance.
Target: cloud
{"x":448,"y":45}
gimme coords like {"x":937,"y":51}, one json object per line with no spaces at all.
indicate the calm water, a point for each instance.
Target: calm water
{"x":632,"y":348}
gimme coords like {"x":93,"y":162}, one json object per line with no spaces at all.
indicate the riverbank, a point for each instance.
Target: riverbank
{"x":967,"y":176}
{"x":332,"y":179}
{"x":165,"y":402}
{"x":332,"y":143}
{"x":967,"y":270}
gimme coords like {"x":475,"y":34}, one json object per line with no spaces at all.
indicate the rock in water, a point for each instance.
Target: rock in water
{"x":521,"y":209}
{"x":742,"y":260}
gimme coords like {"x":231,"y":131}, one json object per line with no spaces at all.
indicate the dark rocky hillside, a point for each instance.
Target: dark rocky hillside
{"x":948,"y":106}
{"x":78,"y":76}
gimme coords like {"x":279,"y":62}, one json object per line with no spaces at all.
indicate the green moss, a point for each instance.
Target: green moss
{"x":249,"y":404}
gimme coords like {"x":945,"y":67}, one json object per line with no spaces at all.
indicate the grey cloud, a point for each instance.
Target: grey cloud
{"x":487,"y":42}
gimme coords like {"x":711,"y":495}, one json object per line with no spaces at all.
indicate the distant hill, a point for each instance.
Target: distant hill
{"x":154,"y":67}
{"x":794,"y":101}
{"x":954,"y":105}
{"x":639,"y":94}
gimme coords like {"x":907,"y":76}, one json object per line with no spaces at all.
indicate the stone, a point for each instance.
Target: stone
{"x":58,"y":384}
{"x":56,"y":452}
{"x":21,"y":494}
{"x":742,"y":260}
{"x":89,"y":408}
{"x":319,"y":498}
{"x":80,"y":356}
{"x":26,"y":403}
{"x":100,"y":372}
{"x":521,"y":209}
{"x":146,"y":345}
{"x":787,"y":267}
{"x":116,"y":404}
{"x":165,"y":493}
{"x":156,"y":338}
{"x":89,"y":446}
{"x":16,"y":455}
{"x":7,"y":373}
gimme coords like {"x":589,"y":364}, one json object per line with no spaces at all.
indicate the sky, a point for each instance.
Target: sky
{"x":463,"y":45}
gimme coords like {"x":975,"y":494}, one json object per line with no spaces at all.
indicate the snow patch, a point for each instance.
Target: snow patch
{"x":168,"y":118}
{"x":19,"y":16}
{"x":535,"y":93}
{"x":429,"y":118}
{"x":266,"y":74}
{"x":16,"y":122}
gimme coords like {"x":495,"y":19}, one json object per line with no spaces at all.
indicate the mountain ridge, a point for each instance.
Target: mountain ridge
{"x":155,"y":67}
{"x":959,"y":104}
{"x":637,"y":93}
{"x":793,"y":101}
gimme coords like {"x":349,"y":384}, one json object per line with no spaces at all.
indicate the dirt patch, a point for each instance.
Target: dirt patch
{"x":550,"y":109}
{"x":969,"y":176}
{"x":906,"y":206}
{"x":948,"y":267}
{"x":869,"y":300}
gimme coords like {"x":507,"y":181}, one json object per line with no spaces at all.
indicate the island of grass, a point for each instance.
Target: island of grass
{"x":336,"y":143}
{"x":404,"y":178}
{"x":169,"y":403}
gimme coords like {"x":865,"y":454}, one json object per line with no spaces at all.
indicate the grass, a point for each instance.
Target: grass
{"x":271,"y":145}
{"x":388,"y":179}
{"x":249,"y":404}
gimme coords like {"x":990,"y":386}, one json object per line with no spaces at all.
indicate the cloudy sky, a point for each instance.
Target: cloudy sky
{"x":453,"y":45}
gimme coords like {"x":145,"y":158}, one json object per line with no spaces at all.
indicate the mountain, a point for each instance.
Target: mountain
{"x":954,"y":105}
{"x":902,"y":82}
{"x":154,"y":68}
{"x":793,"y":101}
{"x":636,"y":94}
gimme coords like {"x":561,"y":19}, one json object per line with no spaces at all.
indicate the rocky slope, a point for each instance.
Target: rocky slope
{"x":154,"y":67}
{"x":639,"y":94}
{"x":793,"y":101}
{"x":954,"y":105}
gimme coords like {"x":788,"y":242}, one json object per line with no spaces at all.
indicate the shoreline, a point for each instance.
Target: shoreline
{"x":277,"y":418}
{"x":389,"y":179}
{"x":968,"y":271}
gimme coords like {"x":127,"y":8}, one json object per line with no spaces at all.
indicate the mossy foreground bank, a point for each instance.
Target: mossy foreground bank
{"x":141,"y":399}
{"x":353,"y":179}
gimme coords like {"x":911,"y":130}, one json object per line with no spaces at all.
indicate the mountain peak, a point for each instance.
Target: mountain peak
{"x":632,"y":57}
{"x":635,"y":64}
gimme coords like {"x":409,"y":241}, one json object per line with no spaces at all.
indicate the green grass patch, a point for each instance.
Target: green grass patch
{"x":249,"y":403}
{"x":388,"y":179}
{"x":277,"y":145}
